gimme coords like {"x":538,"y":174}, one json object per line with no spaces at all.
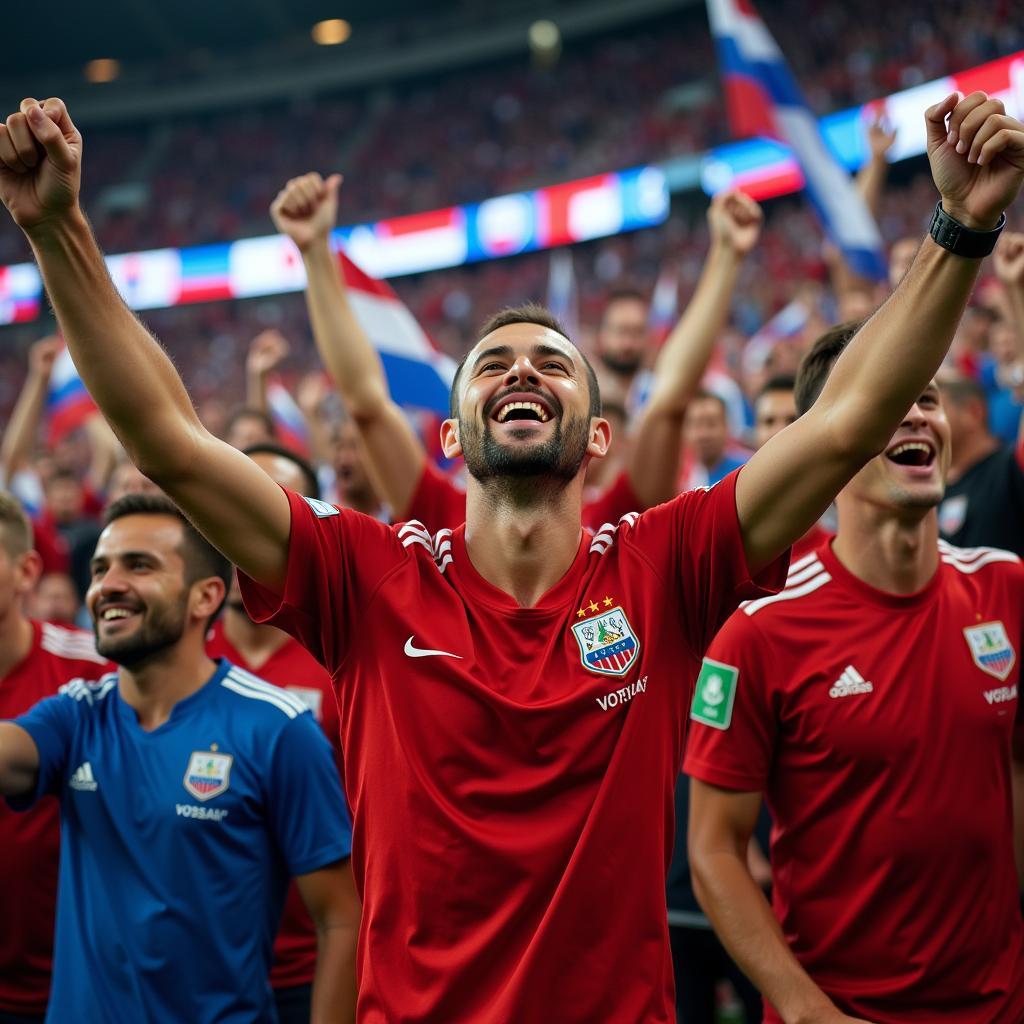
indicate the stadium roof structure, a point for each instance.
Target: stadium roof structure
{"x":195,"y":55}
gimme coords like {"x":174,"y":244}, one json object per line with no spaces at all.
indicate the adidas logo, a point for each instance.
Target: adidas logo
{"x":82,"y":779}
{"x":851,"y":682}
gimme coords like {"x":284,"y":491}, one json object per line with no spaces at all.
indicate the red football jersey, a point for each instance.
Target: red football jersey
{"x":439,"y":504}
{"x":30,"y":841}
{"x":511,"y":770}
{"x":879,"y":728}
{"x":292,"y":668}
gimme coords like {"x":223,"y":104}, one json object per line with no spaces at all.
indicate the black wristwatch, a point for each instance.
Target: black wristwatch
{"x":963,"y":241}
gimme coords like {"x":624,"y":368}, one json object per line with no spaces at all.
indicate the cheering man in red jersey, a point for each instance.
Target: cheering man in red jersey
{"x":874,"y":700}
{"x":36,"y":659}
{"x":513,"y":693}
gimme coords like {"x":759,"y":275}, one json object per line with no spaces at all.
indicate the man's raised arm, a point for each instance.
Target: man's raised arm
{"x":306,"y":210}
{"x":977,"y":162}
{"x":734,"y":223}
{"x":127,"y":373}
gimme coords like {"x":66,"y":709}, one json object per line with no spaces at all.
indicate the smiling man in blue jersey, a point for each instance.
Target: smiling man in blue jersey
{"x":191,"y":792}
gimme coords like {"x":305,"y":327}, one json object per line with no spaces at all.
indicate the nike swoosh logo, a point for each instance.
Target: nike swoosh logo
{"x":419,"y":652}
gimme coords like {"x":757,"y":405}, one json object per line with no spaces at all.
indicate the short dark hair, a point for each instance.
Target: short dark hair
{"x":625,"y":293}
{"x":703,"y":394}
{"x":817,"y":364}
{"x":960,"y":389}
{"x":243,"y":412}
{"x":778,"y":382}
{"x":201,"y":558}
{"x":312,"y":489}
{"x":528,"y":313}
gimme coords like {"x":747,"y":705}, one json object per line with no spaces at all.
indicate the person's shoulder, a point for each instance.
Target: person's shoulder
{"x":256,"y":701}
{"x":807,"y":576}
{"x":982,"y":563}
{"x":89,"y":694}
{"x":67,"y":643}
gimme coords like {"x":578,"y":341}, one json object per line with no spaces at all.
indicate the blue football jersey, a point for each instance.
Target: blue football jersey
{"x":177,"y":845}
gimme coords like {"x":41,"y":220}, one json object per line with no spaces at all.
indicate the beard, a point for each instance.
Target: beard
{"x":622,"y":364}
{"x":555,"y":461}
{"x":159,"y":630}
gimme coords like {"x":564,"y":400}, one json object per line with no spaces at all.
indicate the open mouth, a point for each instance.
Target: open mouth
{"x":915,"y":454}
{"x":116,"y":613}
{"x":520,"y":409}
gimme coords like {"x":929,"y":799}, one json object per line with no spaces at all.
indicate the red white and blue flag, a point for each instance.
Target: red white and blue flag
{"x":68,"y":404}
{"x":419,"y":375}
{"x":292,"y":428}
{"x":763,"y":98}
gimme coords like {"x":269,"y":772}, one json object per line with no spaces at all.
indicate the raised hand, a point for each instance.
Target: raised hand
{"x":881,"y":137}
{"x":1008,"y":258}
{"x":42,"y":354}
{"x":266,"y":351}
{"x":735,"y":220}
{"x":40,"y":163}
{"x":306,"y":208}
{"x":977,"y":160}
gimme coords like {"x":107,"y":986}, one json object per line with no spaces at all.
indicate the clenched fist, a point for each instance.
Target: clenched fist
{"x":40,"y":164}
{"x":306,"y":208}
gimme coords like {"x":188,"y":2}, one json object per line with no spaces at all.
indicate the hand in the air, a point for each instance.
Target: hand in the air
{"x":40,"y":164}
{"x":735,"y":221}
{"x":306,"y":208}
{"x":977,"y":158}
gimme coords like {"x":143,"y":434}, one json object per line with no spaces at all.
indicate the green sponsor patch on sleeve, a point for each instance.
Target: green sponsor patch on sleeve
{"x":714,"y":694}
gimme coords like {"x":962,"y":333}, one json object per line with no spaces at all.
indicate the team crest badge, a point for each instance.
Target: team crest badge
{"x":991,"y":649}
{"x":207,"y":774}
{"x":607,"y":643}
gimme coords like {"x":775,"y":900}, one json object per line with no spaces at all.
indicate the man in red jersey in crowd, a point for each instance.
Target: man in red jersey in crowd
{"x":874,"y":701}
{"x":407,"y":481}
{"x":36,"y":659}
{"x":274,"y":656}
{"x":513,"y":693}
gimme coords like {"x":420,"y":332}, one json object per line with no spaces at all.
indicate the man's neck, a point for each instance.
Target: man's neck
{"x":968,"y":452}
{"x":153,"y":688}
{"x":897,"y":554}
{"x":16,"y":635}
{"x":522,"y":537}
{"x":256,"y":643}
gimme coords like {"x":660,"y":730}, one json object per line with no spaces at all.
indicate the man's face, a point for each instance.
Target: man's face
{"x":901,"y":255}
{"x":127,"y":479}
{"x":773,"y":411}
{"x":524,"y":405}
{"x":247,"y":431}
{"x":911,"y":472}
{"x":138,"y":597}
{"x":623,"y":338}
{"x":65,"y":499}
{"x":54,"y":599}
{"x":706,"y":431}
{"x":18,"y":575}
{"x":347,"y":461}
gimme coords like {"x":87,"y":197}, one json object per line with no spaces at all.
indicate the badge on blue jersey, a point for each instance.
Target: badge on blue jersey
{"x":208,"y":774}
{"x":991,"y":649}
{"x":607,"y":642}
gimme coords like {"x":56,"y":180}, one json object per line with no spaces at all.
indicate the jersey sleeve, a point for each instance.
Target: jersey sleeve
{"x":437,"y":503}
{"x":611,"y":504}
{"x":732,"y":733}
{"x":694,"y":541}
{"x":306,"y":807}
{"x":336,"y":560}
{"x":51,"y":724}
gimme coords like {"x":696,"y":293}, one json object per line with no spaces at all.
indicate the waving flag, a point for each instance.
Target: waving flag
{"x":563,"y":296}
{"x":68,"y":404}
{"x":292,"y":428}
{"x":763,"y":98}
{"x":418,"y":374}
{"x":786,"y":325}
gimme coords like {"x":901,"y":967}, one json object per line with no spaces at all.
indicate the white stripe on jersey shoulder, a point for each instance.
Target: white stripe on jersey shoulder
{"x":605,"y":536}
{"x":245,"y":684}
{"x":806,"y":580}
{"x":73,"y":644}
{"x":439,"y":545}
{"x":90,"y":692}
{"x":970,"y":560}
